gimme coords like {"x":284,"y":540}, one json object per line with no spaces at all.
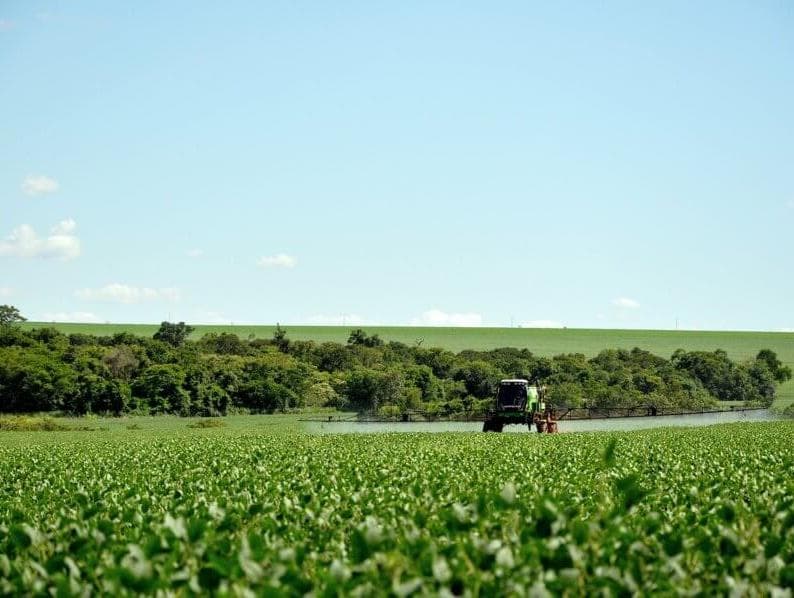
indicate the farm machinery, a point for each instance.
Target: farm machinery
{"x":521,"y":402}
{"x":518,"y":402}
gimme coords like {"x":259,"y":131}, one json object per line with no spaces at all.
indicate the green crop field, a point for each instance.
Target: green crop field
{"x":261,"y":509}
{"x":542,"y":341}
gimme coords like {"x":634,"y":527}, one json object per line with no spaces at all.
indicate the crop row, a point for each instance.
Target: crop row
{"x":670,"y":511}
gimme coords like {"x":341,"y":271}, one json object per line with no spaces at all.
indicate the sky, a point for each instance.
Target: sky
{"x":580,"y":164}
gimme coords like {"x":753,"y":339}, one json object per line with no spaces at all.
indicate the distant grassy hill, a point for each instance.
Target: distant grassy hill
{"x":541,"y":341}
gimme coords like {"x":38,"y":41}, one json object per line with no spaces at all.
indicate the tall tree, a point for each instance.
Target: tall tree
{"x":9,"y":316}
{"x":280,"y":339}
{"x":173,"y":334}
{"x":781,"y":373}
{"x":359,"y":337}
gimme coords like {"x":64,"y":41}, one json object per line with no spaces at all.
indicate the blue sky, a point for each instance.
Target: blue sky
{"x":613,"y":164}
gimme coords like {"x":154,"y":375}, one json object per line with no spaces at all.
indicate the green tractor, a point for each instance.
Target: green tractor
{"x":518,"y":402}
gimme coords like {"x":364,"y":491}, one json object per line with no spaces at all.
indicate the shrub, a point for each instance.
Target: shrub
{"x":787,"y":411}
{"x":207,"y":423}
{"x":389,"y":411}
{"x":26,"y":423}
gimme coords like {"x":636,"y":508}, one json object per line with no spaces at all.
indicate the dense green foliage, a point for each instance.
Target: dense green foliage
{"x":669,"y":511}
{"x":543,"y":342}
{"x":45,"y":370}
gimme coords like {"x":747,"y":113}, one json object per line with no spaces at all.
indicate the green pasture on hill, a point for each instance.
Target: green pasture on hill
{"x":541,"y":341}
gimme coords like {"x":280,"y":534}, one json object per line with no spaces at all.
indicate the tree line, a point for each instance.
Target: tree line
{"x":45,"y":370}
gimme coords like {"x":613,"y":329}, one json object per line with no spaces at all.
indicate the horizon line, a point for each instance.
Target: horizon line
{"x":412,"y":326}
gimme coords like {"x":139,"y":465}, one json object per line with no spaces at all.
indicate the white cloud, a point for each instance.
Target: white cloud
{"x":6,"y":25}
{"x":64,"y":227}
{"x":337,"y":320}
{"x":280,"y":260}
{"x":541,"y":324}
{"x":39,"y":185}
{"x":625,"y":303}
{"x":83,"y":317}
{"x":24,"y":242}
{"x":6,"y":291}
{"x":122,"y":293}
{"x":194,"y":253}
{"x":436,"y":317}
{"x":790,"y":204}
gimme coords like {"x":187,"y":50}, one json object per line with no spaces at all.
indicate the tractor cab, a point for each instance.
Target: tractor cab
{"x":516,"y":402}
{"x":512,"y":395}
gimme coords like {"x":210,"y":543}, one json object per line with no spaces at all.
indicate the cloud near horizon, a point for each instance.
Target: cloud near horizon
{"x":61,"y":243}
{"x":625,"y":303}
{"x":436,"y":317}
{"x":34,"y":185}
{"x":80,"y":317}
{"x":205,"y":316}
{"x":122,"y":293}
{"x":541,"y":324}
{"x":280,"y":260}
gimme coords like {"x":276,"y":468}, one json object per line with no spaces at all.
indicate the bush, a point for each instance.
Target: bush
{"x":207,"y":423}
{"x":389,"y":411}
{"x":30,"y":424}
{"x":566,"y":394}
{"x":321,"y":394}
{"x":454,"y":406}
{"x":432,"y":410}
{"x":34,"y":381}
{"x":26,"y":423}
{"x":481,"y":406}
{"x":787,"y":411}
{"x":266,"y":396}
{"x":161,"y":386}
{"x":223,"y":344}
{"x":367,"y":389}
{"x":480,"y":377}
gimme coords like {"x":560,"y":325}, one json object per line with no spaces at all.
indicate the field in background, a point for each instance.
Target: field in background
{"x":541,"y":341}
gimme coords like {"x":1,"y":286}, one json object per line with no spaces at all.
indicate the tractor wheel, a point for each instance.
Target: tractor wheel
{"x":492,"y":426}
